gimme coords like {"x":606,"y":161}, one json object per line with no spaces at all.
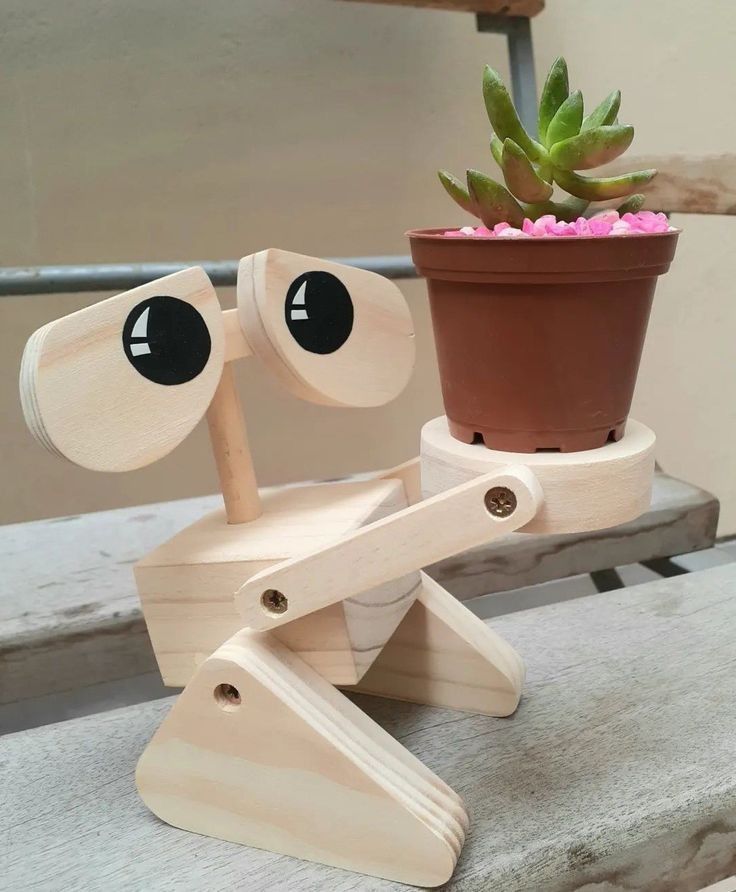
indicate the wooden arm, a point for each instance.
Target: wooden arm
{"x":437,"y":528}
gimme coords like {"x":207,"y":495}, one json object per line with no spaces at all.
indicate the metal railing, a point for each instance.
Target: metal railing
{"x":123,"y":276}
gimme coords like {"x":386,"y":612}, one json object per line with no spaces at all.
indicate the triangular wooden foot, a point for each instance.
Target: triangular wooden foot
{"x":443,"y":655}
{"x":259,"y":749}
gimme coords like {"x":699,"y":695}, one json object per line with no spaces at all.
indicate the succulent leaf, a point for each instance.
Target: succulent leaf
{"x":457,"y":191}
{"x":602,"y":188}
{"x":632,"y":204}
{"x":566,"y":122}
{"x":493,"y":201}
{"x":605,"y":113}
{"x":568,"y":210}
{"x":593,"y":147}
{"x":570,"y":142}
{"x":554,"y":93}
{"x":502,"y":114}
{"x":520,"y":176}
{"x":496,"y":149}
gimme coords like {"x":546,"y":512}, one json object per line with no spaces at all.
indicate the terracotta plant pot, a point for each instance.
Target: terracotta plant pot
{"x":539,"y":340}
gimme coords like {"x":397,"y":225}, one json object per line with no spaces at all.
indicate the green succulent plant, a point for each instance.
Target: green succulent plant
{"x":569,"y":141}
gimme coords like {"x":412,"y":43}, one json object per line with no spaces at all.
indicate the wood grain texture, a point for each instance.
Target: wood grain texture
{"x":74,"y":619}
{"x":85,"y":401}
{"x":229,"y":440}
{"x":187,"y":585}
{"x":389,"y":548}
{"x":687,"y":184}
{"x":523,"y":8}
{"x":236,"y":346}
{"x":681,"y":518}
{"x":582,"y":490}
{"x":288,"y":764}
{"x":371,"y":367}
{"x":617,"y":769}
{"x":443,"y":655}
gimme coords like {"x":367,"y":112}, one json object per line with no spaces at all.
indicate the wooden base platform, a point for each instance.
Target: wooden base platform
{"x":589,"y":490}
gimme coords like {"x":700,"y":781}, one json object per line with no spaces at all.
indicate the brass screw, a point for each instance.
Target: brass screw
{"x":500,"y":501}
{"x":274,"y":602}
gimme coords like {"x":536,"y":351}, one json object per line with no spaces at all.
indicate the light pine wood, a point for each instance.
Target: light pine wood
{"x":82,"y":398}
{"x":588,"y":490}
{"x":687,"y":184}
{"x":371,"y":368}
{"x":436,"y":528}
{"x":261,"y":750}
{"x":524,"y":8}
{"x":410,"y":474}
{"x":443,"y":655}
{"x":233,"y":458}
{"x":236,"y":346}
{"x":187,"y":585}
{"x":74,"y":619}
{"x":616,"y":774}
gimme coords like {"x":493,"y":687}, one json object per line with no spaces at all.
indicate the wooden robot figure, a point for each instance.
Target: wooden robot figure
{"x":260,"y":611}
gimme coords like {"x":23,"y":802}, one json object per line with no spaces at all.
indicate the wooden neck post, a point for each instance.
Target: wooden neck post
{"x":229,"y":440}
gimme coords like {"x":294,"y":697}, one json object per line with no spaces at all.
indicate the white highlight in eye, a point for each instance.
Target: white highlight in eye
{"x":299,"y":314}
{"x":140,"y":329}
{"x":301,"y":296}
{"x":139,"y":349}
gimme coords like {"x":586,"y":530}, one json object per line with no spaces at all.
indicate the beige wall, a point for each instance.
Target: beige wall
{"x":183,"y":130}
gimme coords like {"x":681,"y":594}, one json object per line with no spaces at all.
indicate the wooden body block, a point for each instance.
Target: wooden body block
{"x":187,"y":585}
{"x":589,"y":490}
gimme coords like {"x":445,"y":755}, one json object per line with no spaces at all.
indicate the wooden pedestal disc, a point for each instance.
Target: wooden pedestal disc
{"x":583,"y":491}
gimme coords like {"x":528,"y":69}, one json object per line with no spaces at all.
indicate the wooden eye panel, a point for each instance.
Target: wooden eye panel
{"x":118,"y":385}
{"x":332,"y":334}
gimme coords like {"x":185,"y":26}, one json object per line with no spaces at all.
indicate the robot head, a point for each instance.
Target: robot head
{"x":118,"y":385}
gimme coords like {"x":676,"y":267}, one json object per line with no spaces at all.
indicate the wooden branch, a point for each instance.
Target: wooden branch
{"x":687,"y":184}
{"x":520,"y":8}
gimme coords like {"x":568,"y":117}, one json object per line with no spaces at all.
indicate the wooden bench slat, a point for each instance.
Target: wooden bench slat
{"x":521,"y":8}
{"x":687,"y":184}
{"x":617,"y":770}
{"x":70,"y":615}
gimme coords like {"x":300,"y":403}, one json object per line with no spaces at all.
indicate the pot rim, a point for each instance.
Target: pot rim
{"x":438,"y":234}
{"x":519,"y":260}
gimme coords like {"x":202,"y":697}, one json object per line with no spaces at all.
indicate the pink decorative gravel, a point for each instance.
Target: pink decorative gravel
{"x":605,"y":223}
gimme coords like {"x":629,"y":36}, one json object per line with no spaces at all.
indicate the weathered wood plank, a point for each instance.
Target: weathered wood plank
{"x":70,"y":616}
{"x":522,"y":8}
{"x":616,"y":773}
{"x":681,"y":518}
{"x":686,"y":184}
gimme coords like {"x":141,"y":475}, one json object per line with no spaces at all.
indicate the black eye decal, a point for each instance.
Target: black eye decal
{"x":319,"y":312}
{"x":166,"y":340}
